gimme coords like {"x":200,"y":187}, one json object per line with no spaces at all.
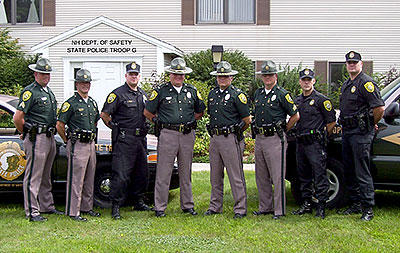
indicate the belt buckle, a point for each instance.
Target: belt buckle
{"x":261,"y":131}
{"x":181,"y":128}
{"x":137,"y":132}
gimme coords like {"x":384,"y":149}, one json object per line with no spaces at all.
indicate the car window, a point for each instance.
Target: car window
{"x":14,"y":102}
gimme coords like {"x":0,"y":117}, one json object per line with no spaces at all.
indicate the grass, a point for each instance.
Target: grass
{"x":178,"y":232}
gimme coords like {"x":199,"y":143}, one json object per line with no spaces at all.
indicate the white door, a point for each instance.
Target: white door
{"x":107,"y":76}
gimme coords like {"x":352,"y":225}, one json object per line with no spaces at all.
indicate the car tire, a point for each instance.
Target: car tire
{"x":336,"y":192}
{"x":102,"y":182}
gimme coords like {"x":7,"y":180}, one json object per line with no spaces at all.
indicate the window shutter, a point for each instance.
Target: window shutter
{"x":188,"y":9}
{"x":321,"y":71}
{"x":49,"y":12}
{"x":368,"y":67}
{"x":258,"y":65}
{"x":263,"y":12}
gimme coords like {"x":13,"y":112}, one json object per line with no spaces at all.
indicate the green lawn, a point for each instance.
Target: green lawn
{"x":178,"y":232}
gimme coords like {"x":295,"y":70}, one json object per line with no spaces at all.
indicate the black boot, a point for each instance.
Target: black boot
{"x":354,"y":208}
{"x":139,"y":205}
{"x":304,"y":208}
{"x":367,"y":214}
{"x":115,"y":212}
{"x":320,"y":211}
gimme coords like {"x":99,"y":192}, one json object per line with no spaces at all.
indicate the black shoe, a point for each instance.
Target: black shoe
{"x":367,"y":214}
{"x":320,"y":211}
{"x":141,"y":206}
{"x":355,"y":208}
{"x":37,"y":218}
{"x":190,"y":210}
{"x":210,"y":212}
{"x":91,"y":213}
{"x":115,"y":212}
{"x":78,"y":218}
{"x":306,"y":207}
{"x":160,"y":214}
{"x":278,"y":216}
{"x":54,"y":211}
{"x":257,"y":213}
{"x":239,"y":215}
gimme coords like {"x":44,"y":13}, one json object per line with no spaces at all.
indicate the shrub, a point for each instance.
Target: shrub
{"x":14,"y":71}
{"x":202,"y":65}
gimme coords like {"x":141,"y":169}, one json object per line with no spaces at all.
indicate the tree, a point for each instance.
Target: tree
{"x":14,"y":71}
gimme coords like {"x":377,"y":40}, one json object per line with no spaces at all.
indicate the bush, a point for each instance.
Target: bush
{"x":202,"y":65}
{"x":14,"y":72}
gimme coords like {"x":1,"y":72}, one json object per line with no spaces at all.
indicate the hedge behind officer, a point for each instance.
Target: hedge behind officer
{"x":174,"y":108}
{"x":80,"y":114}
{"x":317,"y":119}
{"x":272,"y":105}
{"x":229,"y":117}
{"x":361,"y":108}
{"x":123,"y":113}
{"x":36,"y":118}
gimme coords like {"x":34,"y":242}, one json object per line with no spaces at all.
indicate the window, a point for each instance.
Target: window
{"x":337,"y":72}
{"x":20,"y":11}
{"x":225,"y":11}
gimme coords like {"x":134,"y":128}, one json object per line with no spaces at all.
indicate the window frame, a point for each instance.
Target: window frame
{"x":13,"y":20}
{"x":225,"y":15}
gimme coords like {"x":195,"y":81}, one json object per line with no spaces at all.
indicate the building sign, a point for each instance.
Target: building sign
{"x":101,"y":46}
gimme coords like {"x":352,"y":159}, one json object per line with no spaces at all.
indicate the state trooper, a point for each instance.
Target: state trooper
{"x":272,"y":105}
{"x":36,"y":119}
{"x":123,"y":113}
{"x":361,"y":108}
{"x":229,"y":117}
{"x":174,"y":107}
{"x":80,"y":114}
{"x":317,"y":119}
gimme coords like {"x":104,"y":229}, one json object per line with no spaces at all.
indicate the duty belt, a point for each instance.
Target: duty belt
{"x":40,"y":129}
{"x":267,"y":130}
{"x":182,"y":128}
{"x":223,"y":130}
{"x":362,"y":120}
{"x":85,"y":136}
{"x":310,"y":137}
{"x":134,"y":132}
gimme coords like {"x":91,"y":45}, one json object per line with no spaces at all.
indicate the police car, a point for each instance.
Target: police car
{"x":13,"y":160}
{"x":385,"y":156}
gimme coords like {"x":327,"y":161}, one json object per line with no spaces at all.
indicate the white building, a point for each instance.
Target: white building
{"x":105,"y":35}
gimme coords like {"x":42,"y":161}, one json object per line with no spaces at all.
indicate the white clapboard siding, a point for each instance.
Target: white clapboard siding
{"x":300,"y":31}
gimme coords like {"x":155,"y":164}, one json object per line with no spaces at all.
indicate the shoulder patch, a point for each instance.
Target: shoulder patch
{"x":242,"y":98}
{"x":111,"y":98}
{"x":65,"y":107}
{"x":289,"y":98}
{"x":328,"y":105}
{"x":198,"y":95}
{"x":153,"y":95}
{"x":27,"y":95}
{"x":369,"y":86}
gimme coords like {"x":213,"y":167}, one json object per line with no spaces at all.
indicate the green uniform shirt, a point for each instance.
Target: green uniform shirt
{"x":39,"y":106}
{"x":175,"y":108}
{"x":274,"y":106}
{"x":227,"y":107}
{"x":78,"y":114}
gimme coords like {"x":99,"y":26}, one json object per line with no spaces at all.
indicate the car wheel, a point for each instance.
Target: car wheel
{"x":336,"y":191}
{"x":102,"y":183}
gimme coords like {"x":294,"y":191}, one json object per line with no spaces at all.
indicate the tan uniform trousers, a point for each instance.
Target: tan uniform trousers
{"x":80,"y":177}
{"x":37,"y":180}
{"x":227,"y":152}
{"x":268,"y":156}
{"x":173,"y":144}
